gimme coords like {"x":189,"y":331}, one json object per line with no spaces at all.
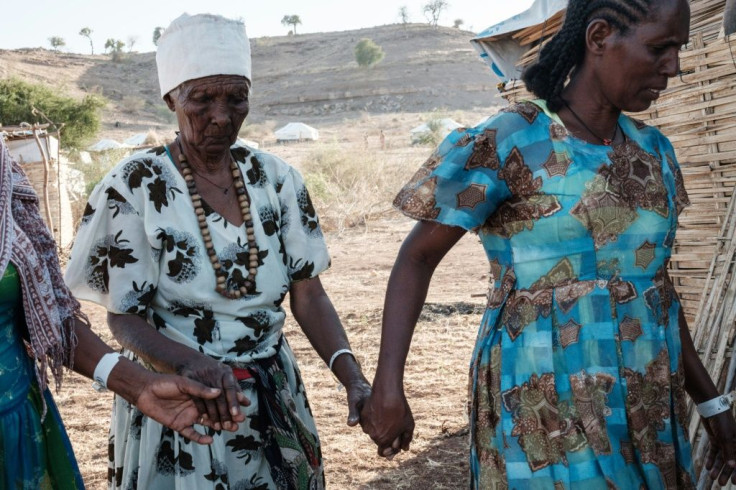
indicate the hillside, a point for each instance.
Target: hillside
{"x":312,"y":77}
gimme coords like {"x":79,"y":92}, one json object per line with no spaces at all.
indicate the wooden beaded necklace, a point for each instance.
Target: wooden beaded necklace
{"x":227,"y":286}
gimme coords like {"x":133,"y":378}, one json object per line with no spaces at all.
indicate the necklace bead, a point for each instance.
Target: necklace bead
{"x":225,"y":285}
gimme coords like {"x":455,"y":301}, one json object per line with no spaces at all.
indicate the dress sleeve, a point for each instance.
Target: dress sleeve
{"x":681,"y":199}
{"x":305,"y":251}
{"x":112,"y":262}
{"x":459,"y":184}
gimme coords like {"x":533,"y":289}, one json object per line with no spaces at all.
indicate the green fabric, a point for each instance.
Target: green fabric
{"x":34,"y":453}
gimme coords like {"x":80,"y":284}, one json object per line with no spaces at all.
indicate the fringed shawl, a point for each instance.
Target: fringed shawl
{"x":49,"y":307}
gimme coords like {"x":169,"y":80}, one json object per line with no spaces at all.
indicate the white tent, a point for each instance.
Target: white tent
{"x":25,"y":150}
{"x":497,"y":45}
{"x":445,"y":125}
{"x":138,"y":139}
{"x":296,"y":131}
{"x":107,"y":144}
{"x":249,"y":143}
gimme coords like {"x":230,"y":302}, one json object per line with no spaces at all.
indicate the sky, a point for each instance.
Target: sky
{"x":30,"y":25}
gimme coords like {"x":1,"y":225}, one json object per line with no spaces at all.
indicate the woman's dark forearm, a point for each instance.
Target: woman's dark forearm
{"x":405,"y":295}
{"x":136,"y":335}
{"x":420,"y":254}
{"x":698,"y":382}
{"x":126,"y":379}
{"x":316,"y":315}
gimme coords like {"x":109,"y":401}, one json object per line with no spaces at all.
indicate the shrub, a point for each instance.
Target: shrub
{"x":132,"y":104}
{"x":433,"y":137}
{"x":368,"y":53}
{"x":80,"y":119}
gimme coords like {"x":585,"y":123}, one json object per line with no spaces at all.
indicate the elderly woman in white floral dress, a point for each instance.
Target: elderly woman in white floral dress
{"x":192,"y":248}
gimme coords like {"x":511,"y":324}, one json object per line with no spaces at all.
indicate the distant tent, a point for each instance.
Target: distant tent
{"x":25,"y":148}
{"x":296,"y":131}
{"x":445,"y":126}
{"x":107,"y":144}
{"x":503,"y":44}
{"x":138,"y":139}
{"x":150,"y":138}
{"x":249,"y":143}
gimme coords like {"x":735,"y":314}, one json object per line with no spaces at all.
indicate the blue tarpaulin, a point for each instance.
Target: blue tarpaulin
{"x":497,"y":45}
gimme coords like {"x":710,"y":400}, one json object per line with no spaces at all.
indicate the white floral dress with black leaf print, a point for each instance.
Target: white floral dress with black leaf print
{"x":139,"y":251}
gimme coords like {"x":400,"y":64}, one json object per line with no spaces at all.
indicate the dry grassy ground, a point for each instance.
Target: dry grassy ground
{"x":354,"y":189}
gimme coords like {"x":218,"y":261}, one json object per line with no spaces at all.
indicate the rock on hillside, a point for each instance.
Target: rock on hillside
{"x":309,"y":76}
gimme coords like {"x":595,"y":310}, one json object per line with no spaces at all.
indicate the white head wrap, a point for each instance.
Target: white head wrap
{"x":196,"y":46}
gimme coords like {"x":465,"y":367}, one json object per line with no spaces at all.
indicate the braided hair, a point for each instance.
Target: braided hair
{"x":566,"y":50}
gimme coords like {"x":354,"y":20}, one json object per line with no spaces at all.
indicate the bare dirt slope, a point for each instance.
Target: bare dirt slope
{"x":310,"y":77}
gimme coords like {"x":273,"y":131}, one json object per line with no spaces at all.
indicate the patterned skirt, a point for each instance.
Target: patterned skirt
{"x":587,"y":397}
{"x":275,"y":447}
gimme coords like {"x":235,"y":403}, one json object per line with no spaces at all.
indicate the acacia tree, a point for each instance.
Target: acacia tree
{"x":157,"y":35}
{"x":457,"y":23}
{"x":291,"y":20}
{"x":87,"y":32}
{"x":433,"y":10}
{"x":56,"y":42}
{"x":116,"y":48}
{"x":404,"y":14}
{"x":131,"y":42}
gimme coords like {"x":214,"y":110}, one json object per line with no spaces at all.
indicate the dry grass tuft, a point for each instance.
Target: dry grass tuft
{"x":349,"y":187}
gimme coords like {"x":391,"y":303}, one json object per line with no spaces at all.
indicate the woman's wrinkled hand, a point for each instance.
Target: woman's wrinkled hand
{"x":720,"y":460}
{"x":387,"y":419}
{"x":357,"y":393}
{"x":170,"y":400}
{"x":222,"y":412}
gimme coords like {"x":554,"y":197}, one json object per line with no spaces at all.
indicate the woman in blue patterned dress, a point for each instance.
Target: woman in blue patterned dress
{"x":583,"y":356}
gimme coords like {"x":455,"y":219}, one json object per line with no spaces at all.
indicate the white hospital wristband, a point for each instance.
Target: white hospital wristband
{"x":716,"y":405}
{"x":103,"y":369}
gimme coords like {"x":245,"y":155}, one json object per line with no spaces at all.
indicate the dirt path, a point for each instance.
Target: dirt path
{"x":436,"y":376}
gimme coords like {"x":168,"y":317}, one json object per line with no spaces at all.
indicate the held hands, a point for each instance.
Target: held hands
{"x":387,"y":419}
{"x":720,"y":460}
{"x":170,"y":400}
{"x":357,"y":393}
{"x":223,"y":410}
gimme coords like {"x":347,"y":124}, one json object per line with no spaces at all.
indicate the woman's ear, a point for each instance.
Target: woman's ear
{"x":597,"y":35}
{"x":169,"y":102}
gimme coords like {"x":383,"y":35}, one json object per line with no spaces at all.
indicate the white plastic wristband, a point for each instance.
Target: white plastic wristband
{"x":716,"y":405}
{"x":337,"y":354}
{"x":103,"y":369}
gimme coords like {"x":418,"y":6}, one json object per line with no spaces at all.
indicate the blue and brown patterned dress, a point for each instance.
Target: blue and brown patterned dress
{"x":576,"y":380}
